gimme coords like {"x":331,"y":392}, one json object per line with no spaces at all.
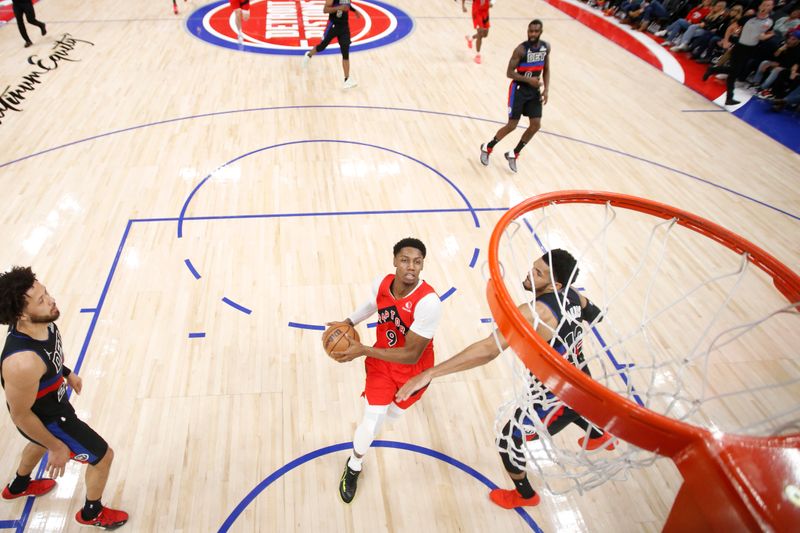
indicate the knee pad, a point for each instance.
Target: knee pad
{"x":368,"y":429}
{"x":395,"y":412}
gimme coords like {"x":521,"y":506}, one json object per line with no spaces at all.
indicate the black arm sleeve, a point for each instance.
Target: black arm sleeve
{"x":590,"y":312}
{"x":65,"y":371}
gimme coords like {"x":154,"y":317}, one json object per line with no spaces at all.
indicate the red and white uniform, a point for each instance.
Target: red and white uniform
{"x":420,"y":312}
{"x":480,"y":14}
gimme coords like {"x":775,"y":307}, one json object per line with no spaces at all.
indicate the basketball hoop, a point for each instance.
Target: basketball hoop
{"x":746,"y":476}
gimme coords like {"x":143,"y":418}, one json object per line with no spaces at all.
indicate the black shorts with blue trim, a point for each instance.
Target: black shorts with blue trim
{"x":522,"y":101}
{"x":85,"y":445}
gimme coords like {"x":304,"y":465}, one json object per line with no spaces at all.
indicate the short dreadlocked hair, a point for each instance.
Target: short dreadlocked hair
{"x":13,"y":286}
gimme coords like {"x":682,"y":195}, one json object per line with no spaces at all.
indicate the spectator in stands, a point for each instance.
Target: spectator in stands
{"x":708,"y":46}
{"x":755,"y":29}
{"x":787,"y":55}
{"x":710,"y":24}
{"x":695,"y":16}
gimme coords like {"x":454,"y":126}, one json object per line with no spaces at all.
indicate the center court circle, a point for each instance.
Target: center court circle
{"x":291,"y":27}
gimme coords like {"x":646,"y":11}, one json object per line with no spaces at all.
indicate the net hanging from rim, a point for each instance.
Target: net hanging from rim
{"x":694,"y":356}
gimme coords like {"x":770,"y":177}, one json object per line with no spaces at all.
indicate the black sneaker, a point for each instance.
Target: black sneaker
{"x":348,"y":483}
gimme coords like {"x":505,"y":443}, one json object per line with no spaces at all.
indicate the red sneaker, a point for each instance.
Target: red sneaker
{"x":36,"y":487}
{"x":469,"y":41}
{"x":593,"y":444}
{"x":509,"y":499}
{"x":478,"y":59}
{"x":107,"y":519}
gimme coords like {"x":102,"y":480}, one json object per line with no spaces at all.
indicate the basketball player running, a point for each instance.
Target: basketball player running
{"x":338,"y":28}
{"x":480,"y":21}
{"x":529,"y":70}
{"x":242,"y":11}
{"x":35,"y":382}
{"x":25,"y":7}
{"x":548,"y":278}
{"x":409,"y":311}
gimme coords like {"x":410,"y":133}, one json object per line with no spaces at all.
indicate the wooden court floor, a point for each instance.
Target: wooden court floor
{"x":163,"y":188}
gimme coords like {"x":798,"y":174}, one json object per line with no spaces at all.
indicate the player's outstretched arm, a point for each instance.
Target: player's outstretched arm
{"x":476,"y":354}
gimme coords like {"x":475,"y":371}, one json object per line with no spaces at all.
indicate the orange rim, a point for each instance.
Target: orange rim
{"x":603,"y":407}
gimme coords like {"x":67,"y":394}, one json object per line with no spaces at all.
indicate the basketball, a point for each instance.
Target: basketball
{"x":336,"y":338}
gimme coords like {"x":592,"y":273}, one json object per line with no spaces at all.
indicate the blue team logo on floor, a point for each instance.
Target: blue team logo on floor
{"x":290,"y":27}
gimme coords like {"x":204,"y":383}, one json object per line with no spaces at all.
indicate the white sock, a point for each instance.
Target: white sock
{"x":355,"y":463}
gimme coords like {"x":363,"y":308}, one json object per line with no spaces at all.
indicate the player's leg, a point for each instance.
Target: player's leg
{"x":175,"y":6}
{"x":30,"y":14}
{"x":327,"y":37}
{"x":379,"y":392}
{"x":510,"y":443}
{"x":532,"y":109}
{"x":238,"y":19}
{"x":367,"y":430}
{"x":595,"y":438}
{"x":18,"y":13}
{"x":22,"y":485}
{"x":487,"y":148}
{"x":482,"y":34}
{"x":86,"y":446}
{"x":344,"y":46}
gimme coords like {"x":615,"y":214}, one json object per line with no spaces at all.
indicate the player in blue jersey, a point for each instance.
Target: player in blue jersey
{"x":338,"y":28}
{"x":529,"y":70}
{"x":35,"y":381}
{"x":560,"y":311}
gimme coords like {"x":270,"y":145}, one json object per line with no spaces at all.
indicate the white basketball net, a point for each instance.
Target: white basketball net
{"x":690,"y":330}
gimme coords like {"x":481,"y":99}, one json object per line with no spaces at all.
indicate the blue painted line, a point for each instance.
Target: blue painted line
{"x":88,"y":310}
{"x":236,"y":306}
{"x":103,"y":295}
{"x":372,"y":324}
{"x":474,"y":257}
{"x":307,"y":141}
{"x":528,"y":225}
{"x":197,"y":335}
{"x":8,"y":524}
{"x":405,"y":110}
{"x":703,"y":111}
{"x":306,"y":326}
{"x":617,"y":365}
{"x":322,"y":214}
{"x":266,"y":482}
{"x":191,"y":268}
{"x":447,"y":294}
{"x":487,"y":320}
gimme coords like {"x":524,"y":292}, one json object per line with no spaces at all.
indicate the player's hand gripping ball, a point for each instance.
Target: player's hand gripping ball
{"x":337,"y":337}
